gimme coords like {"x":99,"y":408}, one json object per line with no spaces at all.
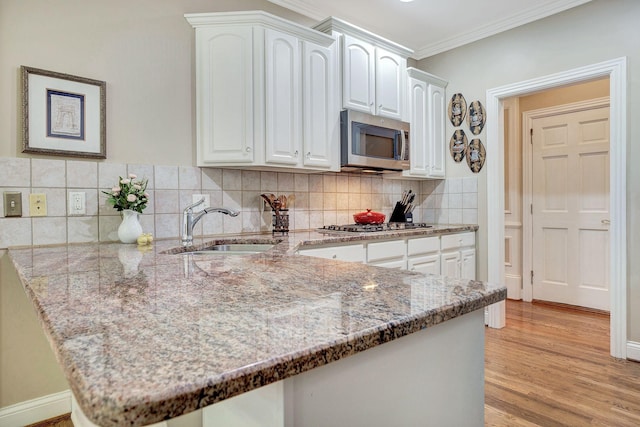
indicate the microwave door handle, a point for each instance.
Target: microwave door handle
{"x":404,"y":145}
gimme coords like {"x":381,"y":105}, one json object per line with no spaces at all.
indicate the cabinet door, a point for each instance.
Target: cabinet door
{"x":390,"y":70}
{"x":282,"y":97}
{"x":321,"y":120}
{"x":419,"y":131}
{"x":428,"y":264}
{"x":358,"y":75}
{"x":224,"y":99}
{"x":450,"y":264}
{"x":437,"y":141}
{"x":468,"y":263}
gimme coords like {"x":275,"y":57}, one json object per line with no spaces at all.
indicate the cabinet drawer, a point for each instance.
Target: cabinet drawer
{"x":453,"y":241}
{"x":386,"y":250}
{"x":352,"y":253}
{"x":423,"y":245}
{"x":398,"y":264}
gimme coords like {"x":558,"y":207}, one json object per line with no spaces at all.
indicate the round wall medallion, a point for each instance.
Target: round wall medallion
{"x":457,"y":109}
{"x":475,"y":154}
{"x":476,"y":117}
{"x":458,"y":145}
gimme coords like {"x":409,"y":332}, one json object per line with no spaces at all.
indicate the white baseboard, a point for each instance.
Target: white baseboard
{"x":32,"y":411}
{"x":633,"y":350}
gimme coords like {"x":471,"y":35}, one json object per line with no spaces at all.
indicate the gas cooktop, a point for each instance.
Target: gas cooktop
{"x":370,"y":228}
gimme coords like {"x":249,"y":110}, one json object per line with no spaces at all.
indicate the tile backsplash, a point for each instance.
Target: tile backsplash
{"x":320,"y":199}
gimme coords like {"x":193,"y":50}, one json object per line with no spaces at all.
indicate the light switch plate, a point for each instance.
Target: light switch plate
{"x":12,"y":203}
{"x":38,"y":204}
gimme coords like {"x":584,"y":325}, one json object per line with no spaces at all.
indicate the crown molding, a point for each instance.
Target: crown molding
{"x":531,"y":14}
{"x":525,"y":17}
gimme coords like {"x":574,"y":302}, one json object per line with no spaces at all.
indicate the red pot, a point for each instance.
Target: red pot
{"x":369,"y":217}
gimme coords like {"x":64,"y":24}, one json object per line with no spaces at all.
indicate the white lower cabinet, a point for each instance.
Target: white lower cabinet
{"x":352,"y":253}
{"x":423,"y":255}
{"x":389,"y":254}
{"x":428,"y":264}
{"x":452,"y":255}
{"x":458,"y":255}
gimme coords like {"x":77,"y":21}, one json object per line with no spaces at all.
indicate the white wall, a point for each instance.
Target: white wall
{"x":143,"y":49}
{"x":594,"y":32}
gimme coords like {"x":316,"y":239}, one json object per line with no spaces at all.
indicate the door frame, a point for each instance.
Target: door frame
{"x":527,"y":176}
{"x":616,"y":70}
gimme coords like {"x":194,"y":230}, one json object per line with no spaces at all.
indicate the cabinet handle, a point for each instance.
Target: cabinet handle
{"x":248,"y":149}
{"x":296,"y":153}
{"x":605,"y":222}
{"x":334,"y":256}
{"x":309,"y":155}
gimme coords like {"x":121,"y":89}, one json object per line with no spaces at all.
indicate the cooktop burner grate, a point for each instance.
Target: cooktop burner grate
{"x":371,"y":228}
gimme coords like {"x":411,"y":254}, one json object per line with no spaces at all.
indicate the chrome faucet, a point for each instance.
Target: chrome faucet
{"x":189,"y":220}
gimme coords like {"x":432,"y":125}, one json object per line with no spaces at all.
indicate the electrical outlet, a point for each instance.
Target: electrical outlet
{"x":77,"y":203}
{"x":38,"y":204}
{"x":197,"y":198}
{"x":12,"y":203}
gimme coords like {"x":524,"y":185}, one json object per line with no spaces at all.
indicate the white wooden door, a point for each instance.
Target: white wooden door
{"x":389,"y":76}
{"x":418,"y":134}
{"x":570,"y":250}
{"x":358,"y":78}
{"x":427,"y":264}
{"x":225,"y":96}
{"x":468,"y":263}
{"x":450,"y":263}
{"x":282,"y":96}
{"x":320,"y":117}
{"x":437,"y":138}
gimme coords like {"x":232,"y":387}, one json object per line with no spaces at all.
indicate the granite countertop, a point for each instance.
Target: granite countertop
{"x":146,"y":335}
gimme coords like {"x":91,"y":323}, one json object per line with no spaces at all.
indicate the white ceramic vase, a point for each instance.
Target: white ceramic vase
{"x":130,"y":228}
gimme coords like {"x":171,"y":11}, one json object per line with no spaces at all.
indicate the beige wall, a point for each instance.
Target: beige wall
{"x":565,"y":95}
{"x":28,"y":368}
{"x":143,"y":49}
{"x":594,"y":32}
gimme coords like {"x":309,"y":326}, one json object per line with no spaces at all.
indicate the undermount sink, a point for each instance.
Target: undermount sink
{"x":235,"y":248}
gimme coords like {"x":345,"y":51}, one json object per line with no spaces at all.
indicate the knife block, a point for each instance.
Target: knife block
{"x":398,"y":213}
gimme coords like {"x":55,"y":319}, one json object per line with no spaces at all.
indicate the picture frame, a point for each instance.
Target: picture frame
{"x":62,"y":114}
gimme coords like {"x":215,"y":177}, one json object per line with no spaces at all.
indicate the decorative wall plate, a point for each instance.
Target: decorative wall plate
{"x":458,"y":145}
{"x":457,"y":109}
{"x":475,"y":154}
{"x":476,"y":117}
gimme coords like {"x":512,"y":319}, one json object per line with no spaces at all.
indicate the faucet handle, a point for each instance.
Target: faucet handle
{"x":193,"y":205}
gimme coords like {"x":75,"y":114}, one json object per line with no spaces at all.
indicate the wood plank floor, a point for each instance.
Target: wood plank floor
{"x":551,"y":367}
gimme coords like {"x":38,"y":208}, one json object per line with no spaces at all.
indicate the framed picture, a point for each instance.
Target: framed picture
{"x":62,"y":114}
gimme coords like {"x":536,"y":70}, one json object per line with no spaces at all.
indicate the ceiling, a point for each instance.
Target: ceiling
{"x":432,"y":26}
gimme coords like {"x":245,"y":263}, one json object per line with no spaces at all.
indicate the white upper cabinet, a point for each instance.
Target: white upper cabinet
{"x":437,"y":105}
{"x":321,"y":119}
{"x":358,"y":75}
{"x":224,"y":100}
{"x":265,"y":93}
{"x":390,"y":84}
{"x":373,"y":70}
{"x":427,"y":119}
{"x":282,"y":95}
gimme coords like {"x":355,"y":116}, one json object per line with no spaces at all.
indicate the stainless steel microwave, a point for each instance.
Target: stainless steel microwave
{"x":373,"y":143}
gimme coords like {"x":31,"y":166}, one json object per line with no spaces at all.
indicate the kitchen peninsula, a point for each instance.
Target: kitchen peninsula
{"x":147,"y":336}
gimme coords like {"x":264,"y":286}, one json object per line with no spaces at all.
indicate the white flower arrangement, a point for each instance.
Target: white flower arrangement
{"x":129,"y":194}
